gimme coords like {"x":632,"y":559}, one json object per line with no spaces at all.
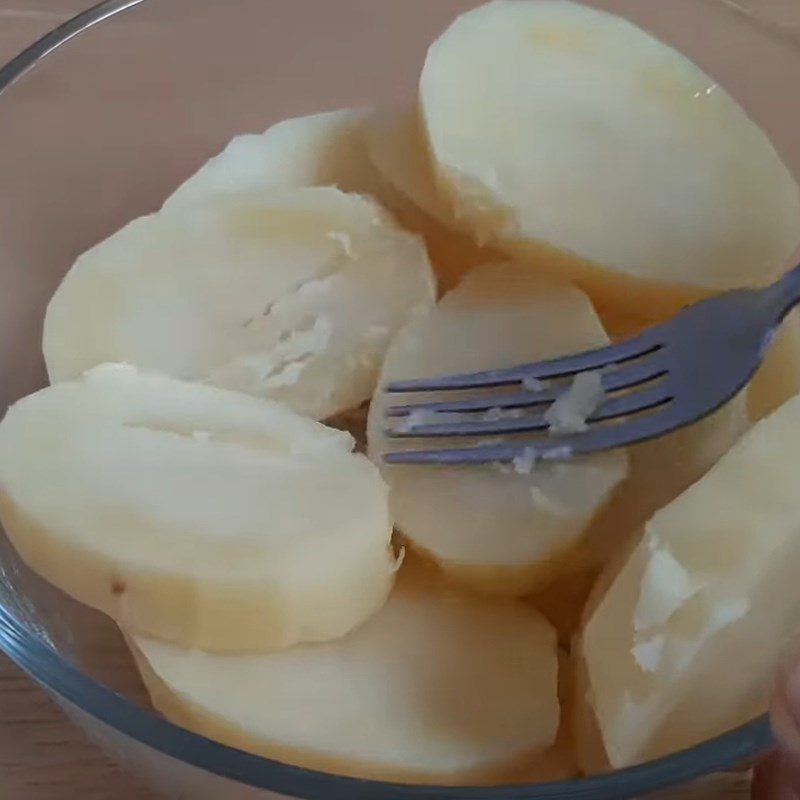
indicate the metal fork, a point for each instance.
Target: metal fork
{"x":667,"y":377}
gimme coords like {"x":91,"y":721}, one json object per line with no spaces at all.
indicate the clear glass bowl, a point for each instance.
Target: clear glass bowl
{"x":97,"y":131}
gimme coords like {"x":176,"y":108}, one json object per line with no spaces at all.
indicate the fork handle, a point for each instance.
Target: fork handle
{"x":784,"y":294}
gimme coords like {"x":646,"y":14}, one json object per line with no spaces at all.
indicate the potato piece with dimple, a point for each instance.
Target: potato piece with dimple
{"x":196,"y":515}
{"x":551,"y":123}
{"x":495,"y":528}
{"x":436,"y":687}
{"x":290,"y":294}
{"x":324,"y":149}
{"x":684,"y":643}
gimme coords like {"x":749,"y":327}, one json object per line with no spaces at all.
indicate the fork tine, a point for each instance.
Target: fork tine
{"x":484,"y":402}
{"x":621,"y":378}
{"x":551,"y":448}
{"x":639,"y":346}
{"x":633,"y":403}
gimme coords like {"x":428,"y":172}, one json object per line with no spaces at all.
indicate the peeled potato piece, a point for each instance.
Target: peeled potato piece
{"x":196,"y":515}
{"x":436,"y":687}
{"x":291,"y":294}
{"x":319,"y":150}
{"x":551,"y":122}
{"x":398,"y":151}
{"x":495,"y":528}
{"x":684,"y":643}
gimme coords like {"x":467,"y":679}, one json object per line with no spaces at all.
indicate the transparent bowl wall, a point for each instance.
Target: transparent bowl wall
{"x":103,"y":127}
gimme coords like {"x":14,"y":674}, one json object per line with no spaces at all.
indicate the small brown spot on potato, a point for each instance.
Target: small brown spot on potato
{"x":118,"y":587}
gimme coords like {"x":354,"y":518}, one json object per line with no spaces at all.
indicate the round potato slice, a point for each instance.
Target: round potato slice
{"x":504,"y":530}
{"x":291,"y":294}
{"x":436,"y":687}
{"x":193,"y":514}
{"x":551,"y":122}
{"x":319,"y":150}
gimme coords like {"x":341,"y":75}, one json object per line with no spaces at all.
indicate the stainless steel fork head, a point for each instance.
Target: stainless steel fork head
{"x":668,"y":377}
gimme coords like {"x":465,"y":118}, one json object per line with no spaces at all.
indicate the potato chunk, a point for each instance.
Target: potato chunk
{"x":684,"y":643}
{"x":193,"y":514}
{"x":324,"y":149}
{"x":551,"y":122}
{"x":436,"y":687}
{"x":501,"y":529}
{"x":290,"y":294}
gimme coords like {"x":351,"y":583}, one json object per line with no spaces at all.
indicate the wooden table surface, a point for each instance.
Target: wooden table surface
{"x":42,"y":756}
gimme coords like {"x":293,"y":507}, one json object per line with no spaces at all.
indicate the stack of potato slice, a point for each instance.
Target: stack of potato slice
{"x":561,"y":177}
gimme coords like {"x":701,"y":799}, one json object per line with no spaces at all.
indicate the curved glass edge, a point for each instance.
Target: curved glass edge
{"x":42,"y":663}
{"x":40,"y":49}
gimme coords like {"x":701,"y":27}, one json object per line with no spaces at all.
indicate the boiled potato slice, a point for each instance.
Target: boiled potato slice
{"x":193,"y":514}
{"x":684,"y":643}
{"x":398,"y":151}
{"x":436,"y":687}
{"x":319,"y":150}
{"x":290,"y":294}
{"x":551,"y":122}
{"x":492,"y":527}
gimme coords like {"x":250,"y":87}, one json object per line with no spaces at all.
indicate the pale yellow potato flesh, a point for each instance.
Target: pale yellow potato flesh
{"x":357,"y":150}
{"x":684,"y":643}
{"x":192,"y":514}
{"x":397,"y":149}
{"x":494,"y":528}
{"x":436,"y":687}
{"x":291,"y":294}
{"x":554,"y":125}
{"x":324,"y":149}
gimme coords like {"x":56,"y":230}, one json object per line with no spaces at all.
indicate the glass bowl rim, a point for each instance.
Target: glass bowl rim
{"x":57,"y":675}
